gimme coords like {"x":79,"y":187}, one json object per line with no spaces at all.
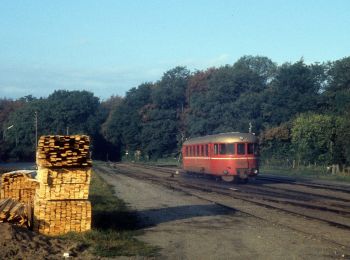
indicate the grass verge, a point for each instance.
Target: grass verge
{"x":114,"y":226}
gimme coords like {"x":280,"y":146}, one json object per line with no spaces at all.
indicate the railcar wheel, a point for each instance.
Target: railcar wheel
{"x":228,"y":178}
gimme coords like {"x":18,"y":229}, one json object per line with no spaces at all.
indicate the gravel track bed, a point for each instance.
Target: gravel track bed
{"x":195,"y":224}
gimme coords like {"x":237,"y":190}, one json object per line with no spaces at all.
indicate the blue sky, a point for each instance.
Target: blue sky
{"x":108,"y":47}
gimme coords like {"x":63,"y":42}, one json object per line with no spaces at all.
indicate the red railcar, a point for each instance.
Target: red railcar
{"x":231,"y":156}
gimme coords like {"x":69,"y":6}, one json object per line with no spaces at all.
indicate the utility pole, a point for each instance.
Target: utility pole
{"x":36,"y":130}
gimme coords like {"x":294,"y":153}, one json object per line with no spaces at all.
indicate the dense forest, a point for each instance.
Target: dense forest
{"x":300,"y":112}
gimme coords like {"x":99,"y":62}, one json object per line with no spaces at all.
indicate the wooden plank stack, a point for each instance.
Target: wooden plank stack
{"x":62,"y":184}
{"x":18,"y":185}
{"x":15,"y":212}
{"x":64,"y":174}
{"x":57,"y":217}
{"x":64,"y":151}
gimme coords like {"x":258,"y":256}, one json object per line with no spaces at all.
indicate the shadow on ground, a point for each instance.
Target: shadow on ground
{"x":133,"y":220}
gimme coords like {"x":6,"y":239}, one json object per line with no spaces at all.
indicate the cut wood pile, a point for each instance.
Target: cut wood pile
{"x":18,"y":185}
{"x":64,"y":174}
{"x":64,"y":183}
{"x":64,"y":151}
{"x":15,"y":212}
{"x":56,"y":217}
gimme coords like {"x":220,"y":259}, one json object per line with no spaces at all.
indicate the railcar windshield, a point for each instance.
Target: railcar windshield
{"x":225,"y":148}
{"x":241,"y":148}
{"x":222,"y":148}
{"x":230,"y":148}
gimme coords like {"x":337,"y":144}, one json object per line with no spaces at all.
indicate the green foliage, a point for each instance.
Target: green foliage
{"x":294,"y":90}
{"x":228,"y":98}
{"x":123,"y":126}
{"x":313,"y":137}
{"x":75,"y":112}
{"x":275,"y":143}
{"x":342,"y":142}
{"x":159,"y":133}
{"x":155,"y":118}
{"x":338,"y":89}
{"x":7,"y":107}
{"x":169,"y":92}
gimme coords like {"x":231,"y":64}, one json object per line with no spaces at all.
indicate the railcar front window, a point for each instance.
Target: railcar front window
{"x":250,"y":149}
{"x":253,"y":149}
{"x":241,"y":148}
{"x":230,"y":148}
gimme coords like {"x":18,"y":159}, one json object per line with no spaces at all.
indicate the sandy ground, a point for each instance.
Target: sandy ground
{"x":20,"y":243}
{"x":186,"y":227}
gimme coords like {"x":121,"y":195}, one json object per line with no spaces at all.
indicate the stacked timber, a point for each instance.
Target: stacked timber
{"x":58,"y":217}
{"x":18,"y":185}
{"x":15,"y":212}
{"x":63,"y":151}
{"x":64,"y":183}
{"x":64,"y":174}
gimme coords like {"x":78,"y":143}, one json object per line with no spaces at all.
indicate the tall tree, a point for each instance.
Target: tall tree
{"x":162,"y":121}
{"x":75,"y":112}
{"x":338,"y":89}
{"x":295,"y":89}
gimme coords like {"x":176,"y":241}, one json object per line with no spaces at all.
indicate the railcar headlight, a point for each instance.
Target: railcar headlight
{"x":256,"y":171}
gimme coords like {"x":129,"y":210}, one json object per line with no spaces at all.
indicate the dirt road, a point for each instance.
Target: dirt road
{"x":186,"y":227}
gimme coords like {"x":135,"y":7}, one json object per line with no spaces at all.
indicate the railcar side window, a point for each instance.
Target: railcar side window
{"x":240,"y":148}
{"x":230,"y":148}
{"x":206,"y":150}
{"x":216,"y":148}
{"x":202,"y":150}
{"x":222,"y":148}
{"x":186,"y":151}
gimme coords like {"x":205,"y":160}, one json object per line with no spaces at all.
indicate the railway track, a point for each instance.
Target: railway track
{"x":291,"y":181}
{"x":332,"y":209}
{"x":261,"y":196}
{"x":274,"y":179}
{"x":291,"y":188}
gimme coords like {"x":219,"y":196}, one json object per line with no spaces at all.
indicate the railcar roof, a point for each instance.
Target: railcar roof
{"x":231,"y":137}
